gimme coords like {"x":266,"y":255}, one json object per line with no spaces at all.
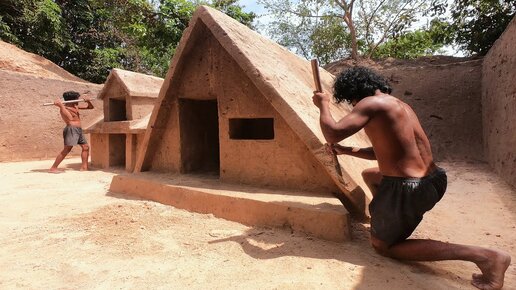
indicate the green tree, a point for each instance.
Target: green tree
{"x":35,"y":25}
{"x":6,"y":33}
{"x":477,"y":24}
{"x":330,"y":40}
{"x":89,"y":37}
{"x":365,"y":24}
{"x":413,"y":44}
{"x":232,"y":9}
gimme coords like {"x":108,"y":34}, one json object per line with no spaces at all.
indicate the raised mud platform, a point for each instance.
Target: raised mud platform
{"x":319,"y":216}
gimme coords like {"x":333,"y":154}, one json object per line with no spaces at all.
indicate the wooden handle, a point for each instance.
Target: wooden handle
{"x":315,"y":72}
{"x":68,"y":102}
{"x":318,"y":88}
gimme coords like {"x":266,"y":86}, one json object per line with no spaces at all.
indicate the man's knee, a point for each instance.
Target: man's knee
{"x":380,"y":247}
{"x":85,"y":147}
{"x":67,"y":149}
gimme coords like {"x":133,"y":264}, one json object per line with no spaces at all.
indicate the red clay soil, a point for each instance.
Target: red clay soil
{"x":15,"y":59}
{"x":68,"y":231}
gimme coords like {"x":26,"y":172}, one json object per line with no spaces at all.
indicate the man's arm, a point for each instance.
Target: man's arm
{"x":88,"y":101}
{"x":335,"y":132}
{"x":364,"y":153}
{"x":63,"y":110}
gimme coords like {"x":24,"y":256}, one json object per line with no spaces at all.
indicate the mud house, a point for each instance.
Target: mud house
{"x":236,"y":109}
{"x":128,"y":99}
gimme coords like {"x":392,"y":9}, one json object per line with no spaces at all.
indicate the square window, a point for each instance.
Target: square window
{"x":251,"y":129}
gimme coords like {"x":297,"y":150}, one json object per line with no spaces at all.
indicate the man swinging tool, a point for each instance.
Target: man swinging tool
{"x":407,"y":182}
{"x":72,"y":133}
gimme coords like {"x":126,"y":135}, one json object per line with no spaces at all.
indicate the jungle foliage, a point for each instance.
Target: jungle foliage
{"x":89,"y":37}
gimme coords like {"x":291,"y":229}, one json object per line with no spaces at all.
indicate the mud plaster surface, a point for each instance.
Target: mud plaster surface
{"x":499,"y":104}
{"x":55,"y":235}
{"x":445,"y":92}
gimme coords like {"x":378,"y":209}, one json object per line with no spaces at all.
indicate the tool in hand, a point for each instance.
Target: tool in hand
{"x":72,"y":101}
{"x":69,"y":102}
{"x":318,"y":88}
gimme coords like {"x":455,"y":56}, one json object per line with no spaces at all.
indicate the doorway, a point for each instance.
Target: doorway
{"x":199,"y":134}
{"x":116,"y":150}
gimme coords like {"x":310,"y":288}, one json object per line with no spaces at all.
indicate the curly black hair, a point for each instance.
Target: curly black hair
{"x":357,"y":83}
{"x":71,"y":95}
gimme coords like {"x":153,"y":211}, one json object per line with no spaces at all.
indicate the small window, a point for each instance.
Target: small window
{"x":117,"y":110}
{"x":251,"y":129}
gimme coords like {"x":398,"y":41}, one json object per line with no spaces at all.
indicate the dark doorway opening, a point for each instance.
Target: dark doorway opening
{"x":199,"y":133}
{"x":117,"y":150}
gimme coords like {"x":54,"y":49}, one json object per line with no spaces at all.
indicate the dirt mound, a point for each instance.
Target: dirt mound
{"x":15,"y":59}
{"x":29,"y":130}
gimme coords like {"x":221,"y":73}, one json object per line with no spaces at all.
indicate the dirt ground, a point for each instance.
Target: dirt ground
{"x":67,"y":231}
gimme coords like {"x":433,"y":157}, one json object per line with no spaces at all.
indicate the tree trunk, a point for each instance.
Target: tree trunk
{"x":348,"y":9}
{"x":354,"y":45}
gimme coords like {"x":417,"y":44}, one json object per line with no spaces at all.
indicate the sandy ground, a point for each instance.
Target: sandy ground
{"x":67,"y":231}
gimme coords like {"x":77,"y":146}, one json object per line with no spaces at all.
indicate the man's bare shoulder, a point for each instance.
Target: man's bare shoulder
{"x":376,"y":103}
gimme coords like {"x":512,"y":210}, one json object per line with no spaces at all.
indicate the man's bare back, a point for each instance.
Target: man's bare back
{"x":399,"y":142}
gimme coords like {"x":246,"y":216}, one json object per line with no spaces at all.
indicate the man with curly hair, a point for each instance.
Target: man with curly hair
{"x":407,"y":183}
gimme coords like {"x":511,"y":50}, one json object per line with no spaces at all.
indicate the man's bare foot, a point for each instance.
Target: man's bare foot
{"x":493,"y":271}
{"x":54,"y":170}
{"x":84,"y":169}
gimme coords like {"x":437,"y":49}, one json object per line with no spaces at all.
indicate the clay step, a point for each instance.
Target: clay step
{"x":321,"y":217}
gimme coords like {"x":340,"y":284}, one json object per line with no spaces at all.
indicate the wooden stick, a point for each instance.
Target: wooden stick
{"x":69,"y":102}
{"x":318,"y":88}
{"x":317,"y":78}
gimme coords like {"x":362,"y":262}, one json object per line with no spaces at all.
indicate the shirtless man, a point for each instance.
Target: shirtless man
{"x":407,"y":182}
{"x":72,"y":133}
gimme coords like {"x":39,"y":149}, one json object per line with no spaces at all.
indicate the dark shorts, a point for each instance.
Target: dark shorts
{"x":73,"y":136}
{"x":398,"y":207}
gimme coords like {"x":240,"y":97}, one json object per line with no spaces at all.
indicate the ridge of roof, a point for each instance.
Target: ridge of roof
{"x":135,"y":84}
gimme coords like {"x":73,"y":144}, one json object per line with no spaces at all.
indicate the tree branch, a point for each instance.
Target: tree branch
{"x":368,"y":22}
{"x":386,"y":31}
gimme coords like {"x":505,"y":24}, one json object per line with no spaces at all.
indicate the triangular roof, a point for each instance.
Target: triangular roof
{"x":286,"y":81}
{"x":135,"y":84}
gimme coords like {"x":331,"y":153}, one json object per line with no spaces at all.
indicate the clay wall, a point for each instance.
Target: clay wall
{"x":163,"y":147}
{"x":99,"y":150}
{"x":283,"y":161}
{"x":447,"y":99}
{"x":499,"y":105}
{"x":140,"y":107}
{"x":27,"y":129}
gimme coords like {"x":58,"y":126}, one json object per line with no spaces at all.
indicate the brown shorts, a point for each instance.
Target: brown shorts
{"x":73,"y":136}
{"x":398,"y":207}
